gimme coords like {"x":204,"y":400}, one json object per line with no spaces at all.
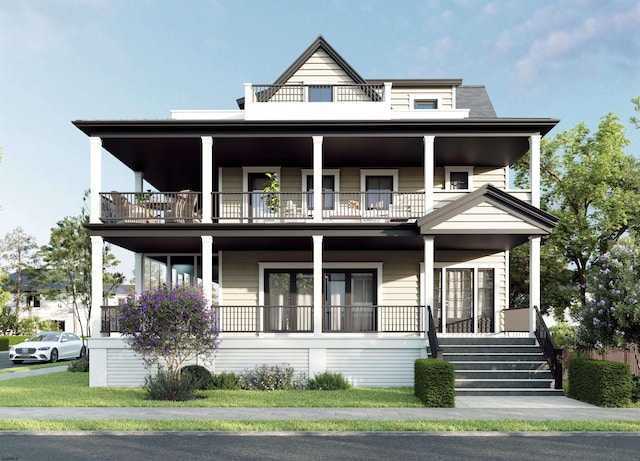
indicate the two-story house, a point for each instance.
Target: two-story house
{"x":331,"y":213}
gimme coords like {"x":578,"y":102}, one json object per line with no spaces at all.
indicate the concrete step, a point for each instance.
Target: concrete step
{"x":508,"y":392}
{"x":493,"y":357}
{"x":491,"y":349}
{"x":492,"y":365}
{"x":485,"y":340}
{"x":504,"y":383}
{"x":503,"y":374}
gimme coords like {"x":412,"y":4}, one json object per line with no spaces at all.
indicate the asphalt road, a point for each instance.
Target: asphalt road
{"x":161,"y":446}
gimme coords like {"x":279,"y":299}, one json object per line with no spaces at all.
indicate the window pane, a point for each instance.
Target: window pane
{"x":379,"y":190}
{"x":320,"y":93}
{"x":362,"y":289}
{"x":459,"y":180}
{"x":328,"y":185}
{"x":425,"y":105}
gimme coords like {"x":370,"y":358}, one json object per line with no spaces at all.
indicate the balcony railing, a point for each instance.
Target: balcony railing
{"x":299,"y":206}
{"x":299,"y":319}
{"x":150,"y":207}
{"x":334,"y":93}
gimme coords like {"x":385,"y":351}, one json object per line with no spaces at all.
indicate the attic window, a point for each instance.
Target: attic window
{"x":320,"y":93}
{"x":425,"y":104}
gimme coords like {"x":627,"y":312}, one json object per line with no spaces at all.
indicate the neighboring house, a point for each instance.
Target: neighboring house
{"x":414,"y":210}
{"x":34,"y":304}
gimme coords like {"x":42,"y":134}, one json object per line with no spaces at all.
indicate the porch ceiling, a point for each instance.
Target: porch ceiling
{"x":169,"y":151}
{"x":278,"y":240}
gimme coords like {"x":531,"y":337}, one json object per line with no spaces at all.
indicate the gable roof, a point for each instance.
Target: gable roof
{"x":538,"y":222}
{"x":318,"y":43}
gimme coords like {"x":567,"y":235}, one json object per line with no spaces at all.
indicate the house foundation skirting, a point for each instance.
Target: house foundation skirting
{"x":365,"y":362}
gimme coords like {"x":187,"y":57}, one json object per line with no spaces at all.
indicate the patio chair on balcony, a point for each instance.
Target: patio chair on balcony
{"x":127,"y":212}
{"x":183,"y":208}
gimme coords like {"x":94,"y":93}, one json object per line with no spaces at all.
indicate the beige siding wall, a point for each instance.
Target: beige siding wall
{"x":237,"y":360}
{"x":485,"y":216}
{"x":320,"y":67}
{"x":401,"y":97}
{"x":494,"y":176}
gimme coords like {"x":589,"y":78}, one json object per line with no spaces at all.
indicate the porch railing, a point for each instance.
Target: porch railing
{"x":150,"y":207}
{"x":552,"y":353}
{"x":299,"y":319}
{"x":300,"y":93}
{"x":299,"y":206}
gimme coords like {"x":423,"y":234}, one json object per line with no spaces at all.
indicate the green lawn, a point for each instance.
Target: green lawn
{"x":31,"y":366}
{"x":67,"y":389}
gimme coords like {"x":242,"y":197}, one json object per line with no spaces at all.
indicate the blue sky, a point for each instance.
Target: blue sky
{"x":63,"y":60}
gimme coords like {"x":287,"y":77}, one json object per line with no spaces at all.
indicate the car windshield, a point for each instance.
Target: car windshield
{"x":45,"y":337}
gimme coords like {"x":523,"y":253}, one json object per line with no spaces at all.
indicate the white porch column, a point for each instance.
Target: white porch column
{"x":207,"y":178}
{"x":534,"y":279}
{"x":96,"y":285}
{"x":534,"y":169}
{"x":95,"y":185}
{"x":429,"y":267}
{"x":138,"y":181}
{"x":317,"y":283}
{"x":207,"y":267}
{"x":138,"y":272}
{"x":429,"y":165}
{"x":317,"y":179}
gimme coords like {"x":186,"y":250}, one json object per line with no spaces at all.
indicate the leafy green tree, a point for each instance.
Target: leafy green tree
{"x":67,"y":261}
{"x":18,"y":255}
{"x":593,"y":187}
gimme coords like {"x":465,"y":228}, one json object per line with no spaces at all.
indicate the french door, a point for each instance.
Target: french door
{"x":350,"y":297}
{"x":288,"y":300}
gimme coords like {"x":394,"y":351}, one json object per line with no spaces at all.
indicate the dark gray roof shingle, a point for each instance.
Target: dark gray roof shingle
{"x":475,"y":98}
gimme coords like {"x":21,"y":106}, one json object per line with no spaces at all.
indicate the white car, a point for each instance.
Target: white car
{"x":48,"y":346}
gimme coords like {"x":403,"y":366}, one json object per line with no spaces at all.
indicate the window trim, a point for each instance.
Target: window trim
{"x":336,"y":184}
{"x":458,"y":169}
{"x":429,"y":101}
{"x":414,"y":98}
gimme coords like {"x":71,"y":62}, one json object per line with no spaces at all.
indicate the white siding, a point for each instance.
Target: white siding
{"x":237,"y":360}
{"x":125,"y":369}
{"x":320,"y":67}
{"x":485,"y":216}
{"x":401,"y":97}
{"x":374,"y":367}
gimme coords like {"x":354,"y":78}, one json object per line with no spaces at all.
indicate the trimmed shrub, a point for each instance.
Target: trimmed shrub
{"x":271,"y":378}
{"x":600,"y":382}
{"x":80,"y":366}
{"x":4,"y":343}
{"x":328,"y":381}
{"x":635,"y":389}
{"x":227,"y":380}
{"x":200,"y":375}
{"x":434,"y":383}
{"x":166,"y":385}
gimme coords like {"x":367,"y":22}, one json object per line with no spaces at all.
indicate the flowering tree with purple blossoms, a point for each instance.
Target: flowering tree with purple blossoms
{"x":611,"y":318}
{"x":170,"y":325}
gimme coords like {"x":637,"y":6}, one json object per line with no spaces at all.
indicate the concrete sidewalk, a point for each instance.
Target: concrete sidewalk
{"x":467,"y":407}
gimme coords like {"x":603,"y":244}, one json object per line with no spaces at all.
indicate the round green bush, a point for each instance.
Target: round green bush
{"x":328,"y":381}
{"x":227,"y":380}
{"x":172,"y":386}
{"x":200,"y":375}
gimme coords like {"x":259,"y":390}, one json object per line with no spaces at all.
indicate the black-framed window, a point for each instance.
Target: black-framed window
{"x":350,"y":297}
{"x":425,"y":104}
{"x":320,"y":93}
{"x":328,"y":189}
{"x":379,"y":192}
{"x":459,"y":180}
{"x":288,"y":300}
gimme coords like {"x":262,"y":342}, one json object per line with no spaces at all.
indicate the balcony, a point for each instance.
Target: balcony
{"x":299,"y":319}
{"x":325,"y":102}
{"x":259,"y":207}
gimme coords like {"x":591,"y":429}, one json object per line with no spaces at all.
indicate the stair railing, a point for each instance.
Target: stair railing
{"x":552,"y":353}
{"x":435,"y":351}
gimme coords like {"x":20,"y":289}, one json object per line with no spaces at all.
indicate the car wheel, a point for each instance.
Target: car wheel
{"x":83,"y":352}
{"x":54,"y":356}
{"x":17,"y":362}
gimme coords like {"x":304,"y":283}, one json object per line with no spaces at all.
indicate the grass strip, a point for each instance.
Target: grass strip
{"x":506,"y":425}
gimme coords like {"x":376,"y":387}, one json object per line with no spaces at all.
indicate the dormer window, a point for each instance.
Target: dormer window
{"x":320,"y":93}
{"x":458,"y":178}
{"x":425,"y":104}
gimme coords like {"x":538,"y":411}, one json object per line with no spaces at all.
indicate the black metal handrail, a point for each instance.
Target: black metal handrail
{"x":360,"y":92}
{"x":435,"y":351}
{"x":552,"y":353}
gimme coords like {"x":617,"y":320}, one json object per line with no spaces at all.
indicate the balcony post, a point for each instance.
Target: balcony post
{"x":95,"y":151}
{"x":534,"y":280}
{"x":207,"y":268}
{"x":318,"y":203}
{"x":207,"y":178}
{"x":96,"y":285}
{"x":429,"y":267}
{"x":317,"y":284}
{"x":429,"y":160}
{"x":534,"y":166}
{"x":138,"y":185}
